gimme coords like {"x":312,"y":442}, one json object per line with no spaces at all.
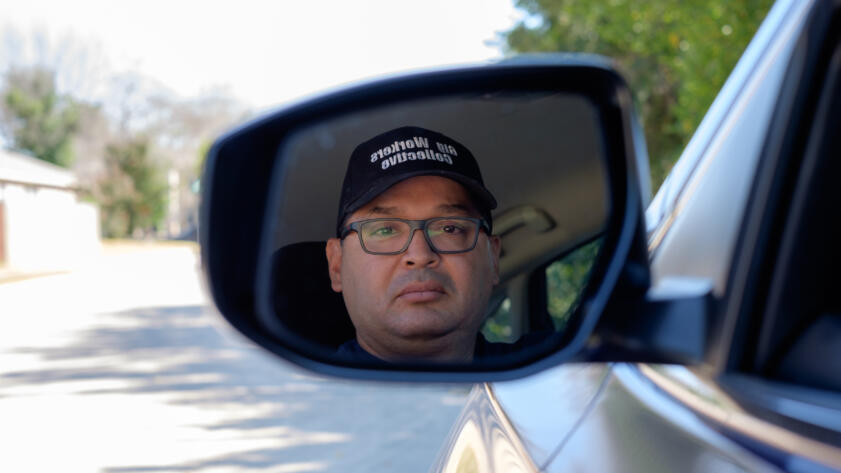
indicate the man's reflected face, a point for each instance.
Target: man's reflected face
{"x":416,"y":305}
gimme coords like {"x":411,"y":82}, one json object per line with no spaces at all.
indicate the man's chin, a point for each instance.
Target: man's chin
{"x":421,"y":324}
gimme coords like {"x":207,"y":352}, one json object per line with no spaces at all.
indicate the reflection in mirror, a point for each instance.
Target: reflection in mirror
{"x":566,"y":279}
{"x":420,"y":232}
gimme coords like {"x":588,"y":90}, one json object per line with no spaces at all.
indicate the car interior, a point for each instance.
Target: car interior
{"x":510,"y":136}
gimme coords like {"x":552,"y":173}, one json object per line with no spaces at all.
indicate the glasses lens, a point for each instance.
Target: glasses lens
{"x":384,"y":236}
{"x":452,"y":234}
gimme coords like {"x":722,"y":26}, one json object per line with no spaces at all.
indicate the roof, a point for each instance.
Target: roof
{"x":16,"y":167}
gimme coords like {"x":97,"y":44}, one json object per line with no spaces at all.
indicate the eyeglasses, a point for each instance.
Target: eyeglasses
{"x":392,"y":236}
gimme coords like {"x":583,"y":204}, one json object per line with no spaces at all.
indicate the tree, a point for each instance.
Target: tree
{"x":675,"y":55}
{"x":124,"y":133}
{"x":133,"y":191}
{"x":36,"y":119}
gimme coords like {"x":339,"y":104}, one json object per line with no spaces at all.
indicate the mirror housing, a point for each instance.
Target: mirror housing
{"x":237,"y":185}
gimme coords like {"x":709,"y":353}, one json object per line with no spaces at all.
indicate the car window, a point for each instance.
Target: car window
{"x":800,"y":330}
{"x":566,"y":279}
{"x":785,"y":355}
{"x":561,"y":284}
{"x":499,"y":326}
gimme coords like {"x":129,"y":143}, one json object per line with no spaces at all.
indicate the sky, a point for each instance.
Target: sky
{"x":263,"y":53}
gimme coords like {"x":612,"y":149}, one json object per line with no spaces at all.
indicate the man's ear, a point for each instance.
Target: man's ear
{"x":495,"y":248}
{"x":334,"y":263}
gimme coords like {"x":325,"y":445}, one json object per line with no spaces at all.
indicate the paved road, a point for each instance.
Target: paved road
{"x":122,"y":367}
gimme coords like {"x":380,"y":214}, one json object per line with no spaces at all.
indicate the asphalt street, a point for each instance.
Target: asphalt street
{"x":122,"y":366}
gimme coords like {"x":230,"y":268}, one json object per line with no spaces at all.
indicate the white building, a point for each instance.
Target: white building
{"x":43,"y":225}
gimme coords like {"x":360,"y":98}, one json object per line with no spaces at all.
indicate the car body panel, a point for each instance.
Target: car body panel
{"x":530,"y":416}
{"x":483,"y":440}
{"x":544,"y":408}
{"x":635,"y":427}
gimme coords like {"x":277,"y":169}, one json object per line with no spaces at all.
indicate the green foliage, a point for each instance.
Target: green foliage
{"x":497,"y":327}
{"x":675,"y":55}
{"x":37,"y":120}
{"x":566,"y":280}
{"x":133,"y":192}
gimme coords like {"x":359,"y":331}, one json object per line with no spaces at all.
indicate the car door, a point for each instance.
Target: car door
{"x":751,"y":215}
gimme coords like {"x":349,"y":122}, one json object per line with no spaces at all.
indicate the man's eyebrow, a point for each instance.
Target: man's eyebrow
{"x":383,"y":210}
{"x":457,"y":208}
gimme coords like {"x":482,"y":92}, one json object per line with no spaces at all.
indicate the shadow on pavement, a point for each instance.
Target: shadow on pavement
{"x":317,"y":424}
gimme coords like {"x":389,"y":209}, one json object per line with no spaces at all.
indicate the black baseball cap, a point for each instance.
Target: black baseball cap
{"x":405,"y":152}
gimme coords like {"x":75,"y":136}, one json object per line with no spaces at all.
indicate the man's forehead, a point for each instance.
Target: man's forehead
{"x":428,"y":192}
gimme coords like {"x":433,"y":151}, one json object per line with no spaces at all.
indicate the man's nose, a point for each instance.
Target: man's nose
{"x":419,"y":252}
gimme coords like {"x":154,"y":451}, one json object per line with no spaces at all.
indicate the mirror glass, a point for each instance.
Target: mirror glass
{"x":421,"y":267}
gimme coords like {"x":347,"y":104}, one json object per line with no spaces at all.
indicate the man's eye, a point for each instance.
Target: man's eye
{"x":383,"y":231}
{"x":452,"y":229}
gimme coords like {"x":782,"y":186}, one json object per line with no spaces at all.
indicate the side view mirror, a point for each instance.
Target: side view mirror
{"x":470,"y":224}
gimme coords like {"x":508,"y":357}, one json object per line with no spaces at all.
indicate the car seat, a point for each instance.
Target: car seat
{"x":303,"y":299}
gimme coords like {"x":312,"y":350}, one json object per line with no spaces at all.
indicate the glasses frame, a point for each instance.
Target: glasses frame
{"x":416,"y":225}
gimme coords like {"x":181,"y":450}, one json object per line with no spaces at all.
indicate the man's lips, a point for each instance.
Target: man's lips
{"x":421,"y":292}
